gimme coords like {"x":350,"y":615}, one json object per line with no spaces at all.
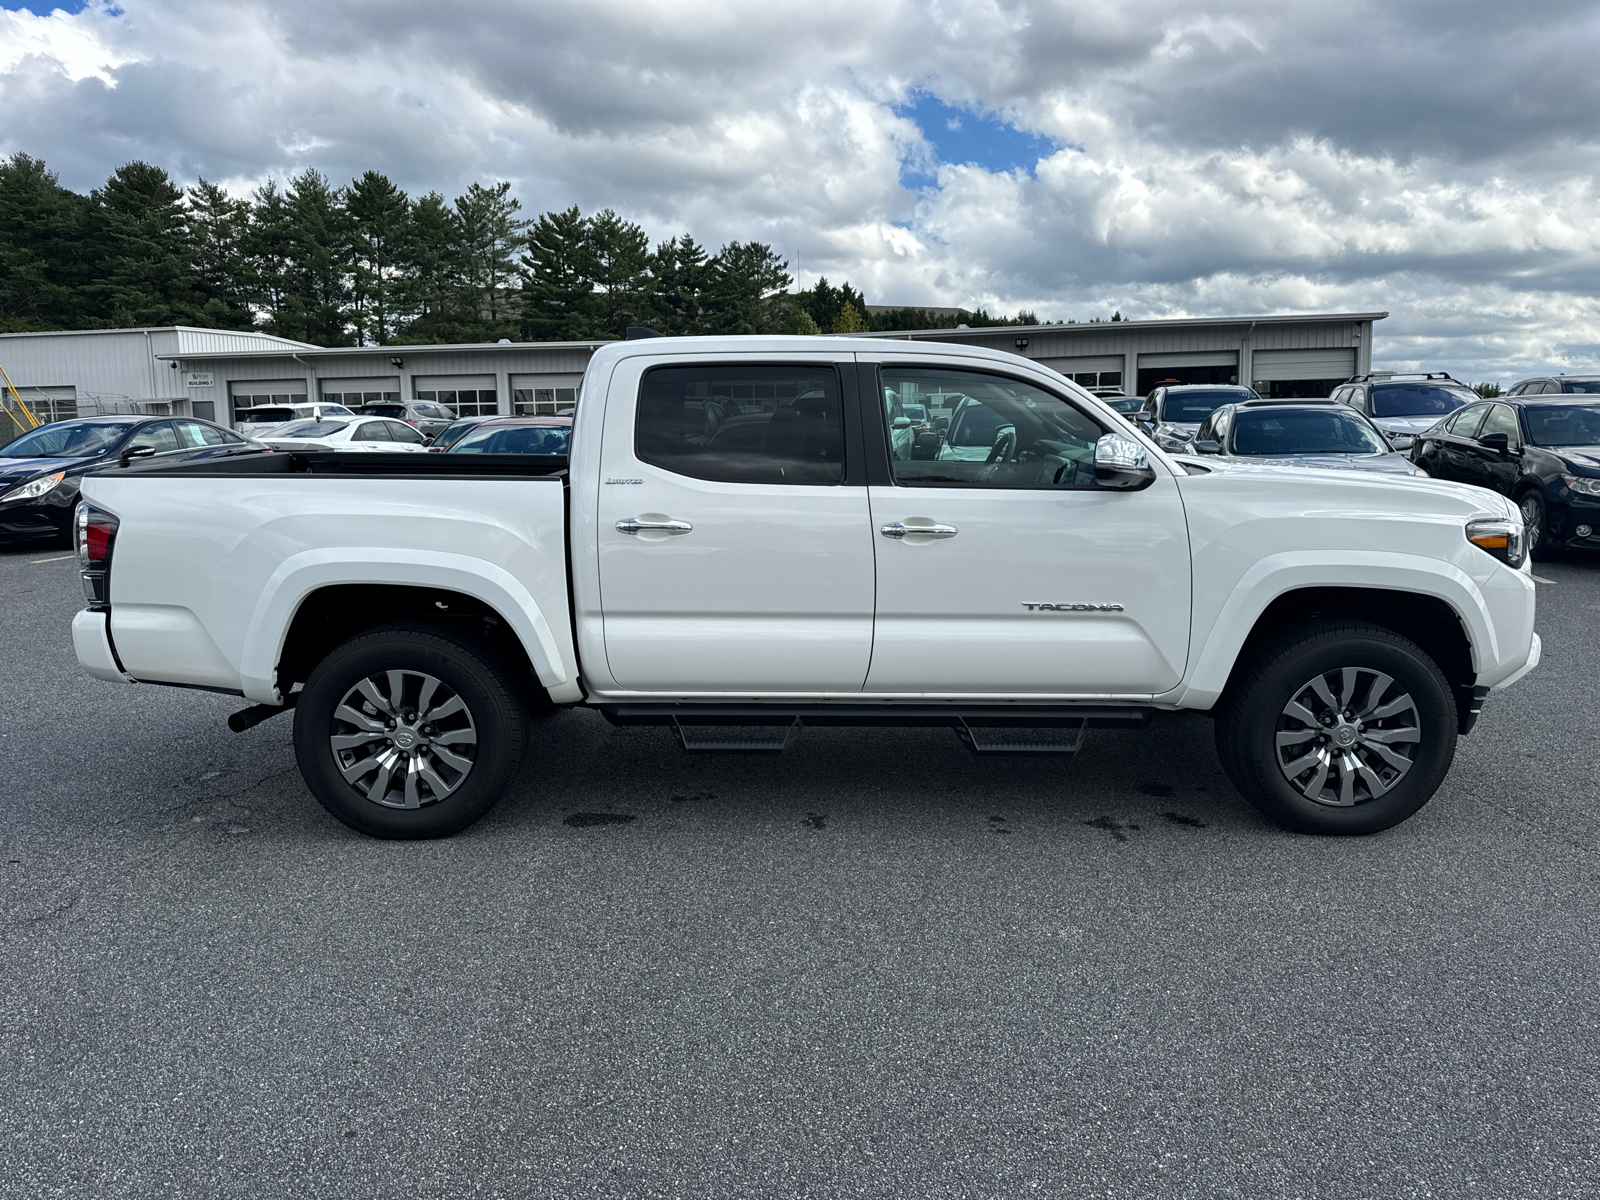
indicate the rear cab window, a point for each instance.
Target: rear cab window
{"x":743,"y":424}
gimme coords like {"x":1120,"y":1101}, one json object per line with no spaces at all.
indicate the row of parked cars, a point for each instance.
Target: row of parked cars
{"x":1538,"y":445}
{"x":40,"y":471}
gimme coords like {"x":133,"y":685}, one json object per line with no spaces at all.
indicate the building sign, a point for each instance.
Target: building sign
{"x":202,"y":379}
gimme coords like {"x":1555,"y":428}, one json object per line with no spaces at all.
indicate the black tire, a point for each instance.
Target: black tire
{"x":1537,"y":525}
{"x":495,"y":717}
{"x":1256,"y":710}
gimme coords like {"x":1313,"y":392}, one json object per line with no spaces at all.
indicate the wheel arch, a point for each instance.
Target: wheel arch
{"x":316,"y":595}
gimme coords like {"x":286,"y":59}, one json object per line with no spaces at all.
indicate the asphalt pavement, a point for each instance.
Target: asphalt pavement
{"x":874,"y":966}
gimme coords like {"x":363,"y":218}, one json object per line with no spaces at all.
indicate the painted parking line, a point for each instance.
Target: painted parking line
{"x":1540,"y":578}
{"x":59,"y":558}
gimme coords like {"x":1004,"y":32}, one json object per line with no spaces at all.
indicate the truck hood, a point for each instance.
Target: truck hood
{"x":1385,"y":464}
{"x":1380,"y":493}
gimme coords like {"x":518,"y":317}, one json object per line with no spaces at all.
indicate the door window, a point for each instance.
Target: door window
{"x":159,"y":438}
{"x":399,"y":431}
{"x":743,"y":424}
{"x":1501,"y":420}
{"x":1002,"y":433}
{"x":1465,"y":422}
{"x":372,"y":431}
{"x":198,"y":436}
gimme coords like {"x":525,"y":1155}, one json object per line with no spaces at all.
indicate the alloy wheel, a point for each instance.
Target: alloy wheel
{"x":1532,"y":521}
{"x":1347,"y":736}
{"x":403,"y":739}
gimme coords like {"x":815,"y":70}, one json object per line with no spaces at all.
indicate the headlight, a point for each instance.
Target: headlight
{"x":1501,"y":537}
{"x":1169,"y":438}
{"x":34,"y":488}
{"x":1582,"y":486}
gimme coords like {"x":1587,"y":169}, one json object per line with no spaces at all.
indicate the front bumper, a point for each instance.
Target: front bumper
{"x":50,"y":516}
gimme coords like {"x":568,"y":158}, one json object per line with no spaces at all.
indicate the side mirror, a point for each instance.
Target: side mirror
{"x":1208,"y":447}
{"x":926,"y":447}
{"x":128,"y":456}
{"x":1122,"y":463}
{"x":1498,"y":442}
{"x":942,"y":424}
{"x":1402,"y":441}
{"x":902,"y":422}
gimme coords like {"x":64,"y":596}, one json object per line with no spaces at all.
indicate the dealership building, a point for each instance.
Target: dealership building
{"x":214,"y":373}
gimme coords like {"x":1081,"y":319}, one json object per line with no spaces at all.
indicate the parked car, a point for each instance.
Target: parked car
{"x":519,"y":435}
{"x":1300,"y":433}
{"x":254,"y":421}
{"x":424,"y":416}
{"x":40,"y":471}
{"x":1126,"y":405}
{"x":351,"y":434}
{"x":424,"y":614}
{"x":453,"y":432}
{"x":1541,"y":451}
{"x":1563,"y":385}
{"x":1173,"y":413}
{"x":1403,"y":405}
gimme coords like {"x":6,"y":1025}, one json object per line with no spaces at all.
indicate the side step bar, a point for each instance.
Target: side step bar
{"x":984,"y":729}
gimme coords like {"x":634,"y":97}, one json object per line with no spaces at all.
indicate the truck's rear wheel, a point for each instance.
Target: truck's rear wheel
{"x":1338,"y":727}
{"x":409,"y":731}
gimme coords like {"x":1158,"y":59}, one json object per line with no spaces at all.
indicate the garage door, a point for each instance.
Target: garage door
{"x":1303,"y":364}
{"x":1200,"y":358}
{"x":1092,"y":362}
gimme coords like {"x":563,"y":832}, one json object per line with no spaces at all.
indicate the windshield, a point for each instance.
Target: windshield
{"x":516,"y":439}
{"x":1304,"y":431}
{"x":976,"y":425}
{"x":383,"y":410}
{"x":266,"y":416}
{"x":1418,"y":399}
{"x":68,"y":441}
{"x":309,"y":429}
{"x":1580,"y":385}
{"x":1191,"y":407}
{"x":1563,"y":424}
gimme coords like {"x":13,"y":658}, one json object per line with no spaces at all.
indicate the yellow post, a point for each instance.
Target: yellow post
{"x":33,"y":421}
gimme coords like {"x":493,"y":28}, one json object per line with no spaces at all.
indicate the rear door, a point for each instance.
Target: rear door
{"x":1010,"y":571}
{"x":735,"y":547}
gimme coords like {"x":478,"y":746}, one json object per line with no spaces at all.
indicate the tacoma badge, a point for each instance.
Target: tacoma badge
{"x":1072,"y":607}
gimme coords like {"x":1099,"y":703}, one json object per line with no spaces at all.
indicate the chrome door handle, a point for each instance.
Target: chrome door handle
{"x":900,"y":529}
{"x":652,"y":525}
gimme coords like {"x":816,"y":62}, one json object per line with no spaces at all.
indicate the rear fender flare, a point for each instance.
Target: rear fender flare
{"x":298,"y":576}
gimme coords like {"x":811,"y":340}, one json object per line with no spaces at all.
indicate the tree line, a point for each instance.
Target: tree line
{"x":366,"y":264}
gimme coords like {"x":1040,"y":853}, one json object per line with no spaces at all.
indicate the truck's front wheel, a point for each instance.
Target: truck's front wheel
{"x":1338,"y":727}
{"x":409,"y":731}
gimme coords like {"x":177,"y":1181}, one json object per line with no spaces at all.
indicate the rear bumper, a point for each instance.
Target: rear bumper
{"x":91,"y":639}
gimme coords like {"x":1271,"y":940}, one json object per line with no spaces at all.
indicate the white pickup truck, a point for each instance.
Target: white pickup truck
{"x":753,"y":535}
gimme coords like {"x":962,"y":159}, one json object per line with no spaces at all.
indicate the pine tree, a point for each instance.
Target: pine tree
{"x":146,"y":275}
{"x":558,"y":279}
{"x":681,"y":272}
{"x":745,"y":277}
{"x":849,"y":320}
{"x":380,"y":216}
{"x":428,"y":286}
{"x":619,"y":257}
{"x":43,"y":230}
{"x":269,"y":257}
{"x":489,"y":235}
{"x":318,"y":302}
{"x":219,"y":228}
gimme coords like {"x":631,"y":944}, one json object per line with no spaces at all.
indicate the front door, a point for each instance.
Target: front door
{"x":1003,"y":568}
{"x":734,"y":556}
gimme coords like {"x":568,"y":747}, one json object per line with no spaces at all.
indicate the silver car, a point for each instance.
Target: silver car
{"x":1300,"y":433}
{"x":1173,"y":413}
{"x":1404,"y":405}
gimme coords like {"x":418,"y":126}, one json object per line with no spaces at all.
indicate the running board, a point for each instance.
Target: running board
{"x":983,"y":729}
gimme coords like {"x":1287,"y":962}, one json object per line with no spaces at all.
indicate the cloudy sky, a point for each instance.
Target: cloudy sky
{"x":1433,"y":158}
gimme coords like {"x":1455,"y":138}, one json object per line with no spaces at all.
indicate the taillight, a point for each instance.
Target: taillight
{"x":410,"y":422}
{"x":96,"y":532}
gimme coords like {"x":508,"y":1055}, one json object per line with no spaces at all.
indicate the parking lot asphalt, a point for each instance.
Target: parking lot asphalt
{"x":873,"y":966}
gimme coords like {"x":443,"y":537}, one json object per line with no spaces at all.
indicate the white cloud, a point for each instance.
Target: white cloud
{"x":1436,"y":160}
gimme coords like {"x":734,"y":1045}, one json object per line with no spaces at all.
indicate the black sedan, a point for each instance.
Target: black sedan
{"x":39,"y":471}
{"x":1300,"y":433}
{"x":1543,"y":452}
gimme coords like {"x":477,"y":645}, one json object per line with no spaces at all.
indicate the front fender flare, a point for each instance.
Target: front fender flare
{"x":1279,"y":574}
{"x":302,"y":574}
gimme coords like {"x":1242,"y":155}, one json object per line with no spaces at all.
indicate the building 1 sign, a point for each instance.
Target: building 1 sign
{"x":196,"y":379}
